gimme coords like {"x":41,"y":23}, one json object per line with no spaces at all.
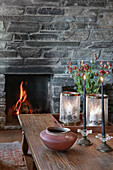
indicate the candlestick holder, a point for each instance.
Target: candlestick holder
{"x":84,"y":141}
{"x":103,"y":147}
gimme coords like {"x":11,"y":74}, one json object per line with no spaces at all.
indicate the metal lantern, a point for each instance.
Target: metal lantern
{"x":94,"y":109}
{"x":69,"y":107}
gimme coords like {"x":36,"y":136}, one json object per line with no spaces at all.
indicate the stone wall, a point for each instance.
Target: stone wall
{"x":43,"y":36}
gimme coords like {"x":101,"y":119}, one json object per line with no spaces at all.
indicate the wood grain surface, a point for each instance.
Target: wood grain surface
{"x":76,"y":158}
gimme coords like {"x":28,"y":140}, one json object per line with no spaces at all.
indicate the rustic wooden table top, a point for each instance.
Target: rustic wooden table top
{"x":76,"y":158}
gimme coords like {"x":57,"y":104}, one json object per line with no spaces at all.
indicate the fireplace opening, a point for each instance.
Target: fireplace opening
{"x":37,"y":89}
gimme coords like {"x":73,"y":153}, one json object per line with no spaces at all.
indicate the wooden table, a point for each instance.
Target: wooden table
{"x":76,"y":158}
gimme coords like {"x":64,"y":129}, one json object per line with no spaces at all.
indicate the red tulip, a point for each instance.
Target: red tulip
{"x":101,"y":66}
{"x":67,"y":66}
{"x":108,"y":63}
{"x":85,"y":69}
{"x":105,"y":66}
{"x":96,"y":74}
{"x":71,"y":76}
{"x":101,"y":62}
{"x":77,"y":74}
{"x":82,"y":75}
{"x":95,"y":57}
{"x":74,"y":68}
{"x":107,"y":72}
{"x":109,"y":66}
{"x":70,"y":70}
{"x":102,"y":72}
{"x":70,"y":63}
{"x":79,"y":62}
{"x":86,"y":65}
{"x":81,"y":68}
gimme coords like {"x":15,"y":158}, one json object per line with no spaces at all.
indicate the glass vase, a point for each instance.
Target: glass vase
{"x":94,"y":109}
{"x":69,"y":107}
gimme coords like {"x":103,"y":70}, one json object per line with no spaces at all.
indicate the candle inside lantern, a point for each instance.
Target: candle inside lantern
{"x":103,"y":119}
{"x":84,"y":104}
{"x":94,"y":115}
{"x":69,"y":108}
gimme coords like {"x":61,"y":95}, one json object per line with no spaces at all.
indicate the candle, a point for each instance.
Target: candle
{"x":84,"y":104}
{"x":82,"y":62}
{"x":84,"y":141}
{"x":103,"y":121}
{"x":95,"y":114}
{"x":69,"y":108}
{"x":103,"y":147}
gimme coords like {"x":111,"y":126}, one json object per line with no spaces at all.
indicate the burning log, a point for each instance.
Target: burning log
{"x":25,"y":108}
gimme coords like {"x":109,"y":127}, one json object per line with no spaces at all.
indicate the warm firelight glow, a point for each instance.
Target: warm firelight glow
{"x":23,"y":96}
{"x":84,"y":77}
{"x":101,"y":78}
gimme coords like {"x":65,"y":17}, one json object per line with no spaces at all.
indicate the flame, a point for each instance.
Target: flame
{"x":23,"y":96}
{"x":84,"y":77}
{"x":101,"y":79}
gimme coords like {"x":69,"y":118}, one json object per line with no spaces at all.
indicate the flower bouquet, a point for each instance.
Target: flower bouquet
{"x":92,"y":72}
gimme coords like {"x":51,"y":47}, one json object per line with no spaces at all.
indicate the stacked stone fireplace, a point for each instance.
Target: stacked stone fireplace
{"x":55,"y":85}
{"x":41,"y":37}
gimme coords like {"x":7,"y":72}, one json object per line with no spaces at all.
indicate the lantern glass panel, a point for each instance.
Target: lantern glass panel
{"x":69,"y":107}
{"x":94,"y":109}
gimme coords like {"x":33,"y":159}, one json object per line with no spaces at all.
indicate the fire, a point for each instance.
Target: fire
{"x":23,"y":96}
{"x":101,"y":78}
